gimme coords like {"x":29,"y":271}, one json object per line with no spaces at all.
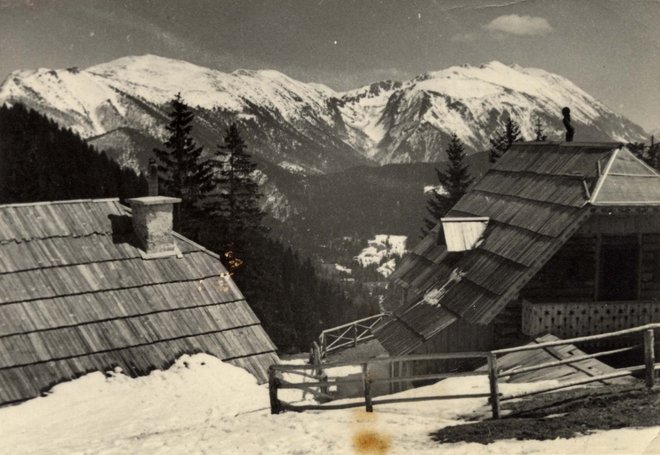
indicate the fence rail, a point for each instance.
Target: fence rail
{"x":494,"y":375}
{"x":348,"y":335}
{"x":275,"y":382}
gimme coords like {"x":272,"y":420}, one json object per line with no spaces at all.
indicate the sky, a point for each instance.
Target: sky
{"x":610,"y":48}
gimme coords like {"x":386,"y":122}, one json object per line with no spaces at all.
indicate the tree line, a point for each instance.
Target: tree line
{"x":41,"y":161}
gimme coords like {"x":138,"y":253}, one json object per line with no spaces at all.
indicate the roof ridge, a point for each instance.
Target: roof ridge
{"x":70,"y":201}
{"x":602,"y":177}
{"x":58,"y":236}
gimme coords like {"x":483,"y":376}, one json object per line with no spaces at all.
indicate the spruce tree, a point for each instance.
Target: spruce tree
{"x":182,"y":171}
{"x":503,"y":139}
{"x":237,"y":203}
{"x":455,"y":179}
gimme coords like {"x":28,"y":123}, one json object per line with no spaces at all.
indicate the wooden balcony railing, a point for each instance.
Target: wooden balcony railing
{"x":575,"y":319}
{"x":348,"y":335}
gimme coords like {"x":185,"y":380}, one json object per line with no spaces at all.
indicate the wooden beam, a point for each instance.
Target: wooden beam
{"x":366,"y":384}
{"x":649,"y":358}
{"x":600,"y":336}
{"x":640,"y":257}
{"x":494,"y":389}
{"x":599,"y":244}
{"x":275,"y":405}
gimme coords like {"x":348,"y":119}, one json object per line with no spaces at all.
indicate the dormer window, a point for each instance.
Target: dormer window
{"x":463,"y":234}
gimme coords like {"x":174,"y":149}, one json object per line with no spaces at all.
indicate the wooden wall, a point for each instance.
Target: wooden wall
{"x":650,"y":267}
{"x":622,"y":224}
{"x":568,"y":276}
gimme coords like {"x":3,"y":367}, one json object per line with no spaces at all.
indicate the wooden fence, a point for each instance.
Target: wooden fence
{"x":348,"y":335}
{"x":322,"y":382}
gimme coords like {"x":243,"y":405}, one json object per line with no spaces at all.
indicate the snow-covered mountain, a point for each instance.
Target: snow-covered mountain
{"x":411,"y":121}
{"x":309,"y":128}
{"x":288,"y":122}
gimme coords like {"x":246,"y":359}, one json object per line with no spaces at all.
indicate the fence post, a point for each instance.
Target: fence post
{"x":320,"y":374}
{"x":355,"y":335}
{"x":323,"y":345}
{"x":366,"y":383}
{"x":273,"y":383}
{"x":649,"y":357}
{"x":494,"y":390}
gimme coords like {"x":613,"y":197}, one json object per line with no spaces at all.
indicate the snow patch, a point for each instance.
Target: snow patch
{"x":341,"y":268}
{"x":438,"y":189}
{"x":382,"y":250}
{"x":292,"y":167}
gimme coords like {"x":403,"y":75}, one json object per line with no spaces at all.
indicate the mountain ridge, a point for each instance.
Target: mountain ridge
{"x":296,"y":129}
{"x":310,"y":125}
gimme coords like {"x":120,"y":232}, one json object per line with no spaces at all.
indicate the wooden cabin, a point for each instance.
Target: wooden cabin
{"x":560,"y":238}
{"x":92,"y":285}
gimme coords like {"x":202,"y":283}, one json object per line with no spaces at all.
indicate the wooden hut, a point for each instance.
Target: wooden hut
{"x":92,"y":285}
{"x":560,"y":238}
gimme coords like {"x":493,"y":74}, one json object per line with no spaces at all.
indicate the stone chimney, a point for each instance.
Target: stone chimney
{"x":152,"y":178}
{"x":152,"y":224}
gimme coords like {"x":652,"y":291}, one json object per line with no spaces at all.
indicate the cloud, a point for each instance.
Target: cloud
{"x":519,"y":25}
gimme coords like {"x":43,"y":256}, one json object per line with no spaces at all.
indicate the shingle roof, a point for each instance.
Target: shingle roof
{"x":536,"y":197}
{"x":77,"y":296}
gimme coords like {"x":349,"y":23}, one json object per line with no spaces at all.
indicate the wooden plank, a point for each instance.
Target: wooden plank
{"x":565,"y":361}
{"x":428,"y":377}
{"x":603,"y":377}
{"x":430,"y":398}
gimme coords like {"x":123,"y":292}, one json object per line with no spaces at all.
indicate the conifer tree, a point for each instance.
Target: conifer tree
{"x":182,"y":171}
{"x":504,"y":139}
{"x":455,"y":179}
{"x":237,"y":202}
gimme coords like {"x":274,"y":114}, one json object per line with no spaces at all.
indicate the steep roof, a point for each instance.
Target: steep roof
{"x":536,"y":196}
{"x":77,"y":296}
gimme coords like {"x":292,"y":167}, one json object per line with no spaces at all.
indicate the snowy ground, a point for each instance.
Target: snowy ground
{"x":201,"y":405}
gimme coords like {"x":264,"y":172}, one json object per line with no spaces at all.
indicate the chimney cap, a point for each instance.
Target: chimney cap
{"x":153,"y":200}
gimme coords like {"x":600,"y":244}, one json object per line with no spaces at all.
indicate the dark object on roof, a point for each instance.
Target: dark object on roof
{"x":535,"y":197}
{"x":570,"y":131}
{"x":78,"y":295}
